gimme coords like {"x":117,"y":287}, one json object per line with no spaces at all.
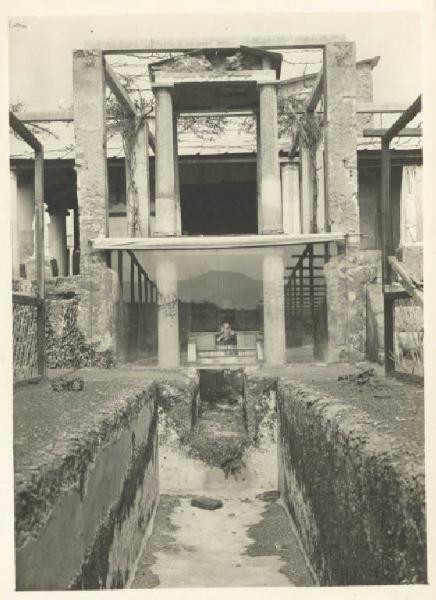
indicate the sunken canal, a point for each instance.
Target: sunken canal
{"x":204,"y":477}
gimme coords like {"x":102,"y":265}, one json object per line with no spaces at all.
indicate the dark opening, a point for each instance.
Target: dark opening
{"x":219,"y":208}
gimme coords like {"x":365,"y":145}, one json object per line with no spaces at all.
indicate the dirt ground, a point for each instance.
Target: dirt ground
{"x":393,"y":407}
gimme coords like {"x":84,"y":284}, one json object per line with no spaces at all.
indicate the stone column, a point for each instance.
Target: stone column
{"x":168,"y":314}
{"x":258,"y":176}
{"x":57,"y":236}
{"x":290,"y":198}
{"x":177,"y":179}
{"x":345,"y":275}
{"x":269,"y":160}
{"x":137,"y":179}
{"x":320,"y":213}
{"x":306,"y":190}
{"x":274,"y":308}
{"x":15,"y":241}
{"x":91,"y":161}
{"x":166,"y":203}
{"x":340,"y":138}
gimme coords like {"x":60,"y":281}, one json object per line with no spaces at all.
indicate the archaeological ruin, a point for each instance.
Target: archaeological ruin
{"x":231,"y":265}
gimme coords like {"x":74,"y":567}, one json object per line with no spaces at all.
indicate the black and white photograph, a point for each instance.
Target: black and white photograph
{"x":213,"y":297}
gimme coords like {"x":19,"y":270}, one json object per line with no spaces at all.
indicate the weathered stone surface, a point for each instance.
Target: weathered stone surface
{"x":94,"y":484}
{"x":346,"y":278}
{"x":86,"y":322}
{"x":90,"y":148}
{"x":206,"y":503}
{"x":357,"y":499}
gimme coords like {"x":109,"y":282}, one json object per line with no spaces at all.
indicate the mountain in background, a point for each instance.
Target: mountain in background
{"x":226,"y":289}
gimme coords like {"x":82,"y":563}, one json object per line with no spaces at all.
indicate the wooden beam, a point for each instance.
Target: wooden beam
{"x":277,"y":42}
{"x":395,"y":291}
{"x":316,"y":94}
{"x":404,"y":119}
{"x":119,"y":91}
{"x":46,"y":116}
{"x":25,"y":134}
{"x":26,"y":300}
{"x":407,"y":132}
{"x":212,"y":242}
{"x":66,"y":115}
{"x":406,"y":281}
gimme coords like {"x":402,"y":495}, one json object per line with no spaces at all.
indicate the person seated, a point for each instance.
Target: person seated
{"x":226,"y":337}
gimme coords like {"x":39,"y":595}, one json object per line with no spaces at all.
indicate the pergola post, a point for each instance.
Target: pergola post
{"x":268,"y":158}
{"x":166,"y":202}
{"x":274,"y":308}
{"x":345,"y":276}
{"x":340,"y":139}
{"x":91,"y":162}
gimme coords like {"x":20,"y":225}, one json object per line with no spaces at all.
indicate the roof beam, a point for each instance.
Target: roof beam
{"x":119,"y":91}
{"x":380,"y":107}
{"x":24,"y":133}
{"x":404,"y":119}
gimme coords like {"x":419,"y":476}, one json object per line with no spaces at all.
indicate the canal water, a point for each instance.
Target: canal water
{"x":246,"y":542}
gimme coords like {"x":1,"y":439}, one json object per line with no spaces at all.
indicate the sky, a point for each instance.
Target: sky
{"x":41,"y":47}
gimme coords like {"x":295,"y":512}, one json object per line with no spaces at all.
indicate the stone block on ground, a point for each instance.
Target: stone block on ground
{"x":206,"y":503}
{"x":269,"y":496}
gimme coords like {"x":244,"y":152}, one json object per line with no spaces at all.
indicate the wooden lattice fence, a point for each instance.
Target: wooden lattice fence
{"x":28,"y":337}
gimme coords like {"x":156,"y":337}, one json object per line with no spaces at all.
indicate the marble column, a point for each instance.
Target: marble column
{"x":274,"y":308}
{"x":168,"y":314}
{"x":166,"y":201}
{"x":269,"y":160}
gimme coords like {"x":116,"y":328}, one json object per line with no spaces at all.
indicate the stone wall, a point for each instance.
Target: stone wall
{"x":359,"y":510}
{"x":83,"y":509}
